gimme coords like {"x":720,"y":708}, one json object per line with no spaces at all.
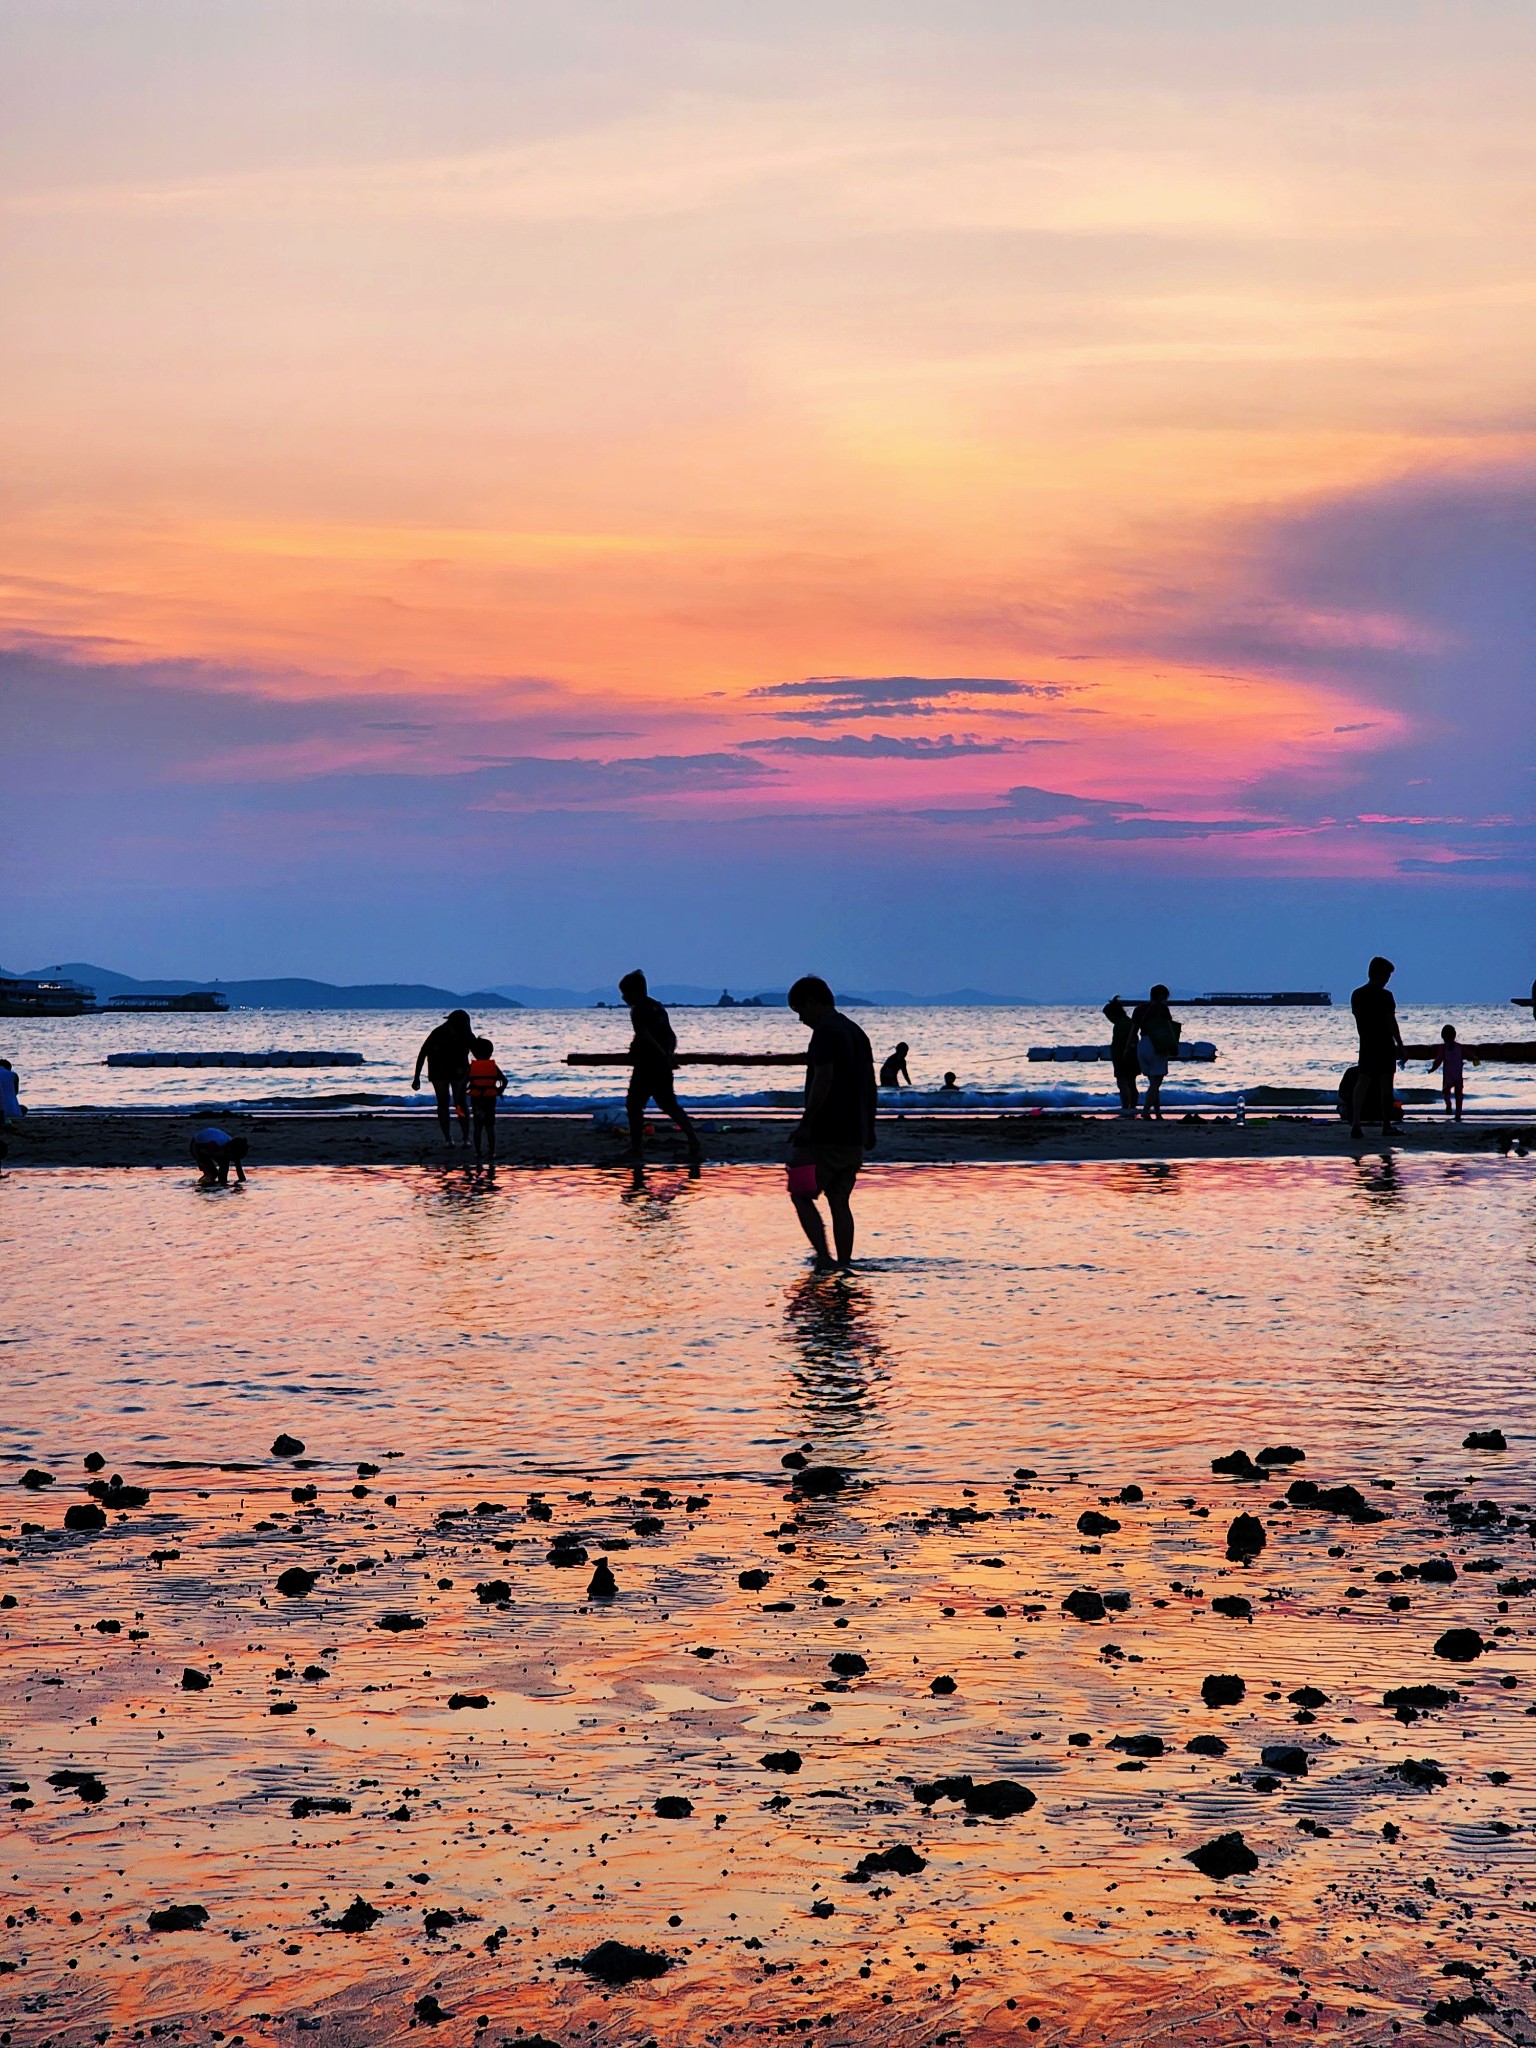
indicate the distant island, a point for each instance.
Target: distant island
{"x":287,"y":992}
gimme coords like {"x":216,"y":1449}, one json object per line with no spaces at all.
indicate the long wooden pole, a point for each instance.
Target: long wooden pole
{"x":691,"y":1059}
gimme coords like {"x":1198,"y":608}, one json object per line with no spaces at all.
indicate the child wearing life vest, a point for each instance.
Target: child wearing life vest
{"x":486,"y":1083}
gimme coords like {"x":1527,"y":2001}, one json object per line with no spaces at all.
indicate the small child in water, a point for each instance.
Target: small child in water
{"x":486,"y":1083}
{"x":1451,"y":1060}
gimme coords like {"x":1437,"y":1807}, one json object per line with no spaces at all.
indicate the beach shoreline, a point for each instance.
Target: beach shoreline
{"x":150,"y":1138}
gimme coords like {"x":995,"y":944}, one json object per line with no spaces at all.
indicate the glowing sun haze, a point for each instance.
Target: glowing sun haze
{"x":492,"y":483}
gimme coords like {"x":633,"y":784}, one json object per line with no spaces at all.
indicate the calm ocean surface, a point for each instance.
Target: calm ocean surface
{"x":438,"y":1771}
{"x":61,"y":1060}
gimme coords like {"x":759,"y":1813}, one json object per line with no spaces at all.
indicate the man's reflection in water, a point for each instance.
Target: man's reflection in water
{"x":1147,"y":1177}
{"x":648,"y":1196}
{"x":1378,"y":1179}
{"x":841,"y":1367}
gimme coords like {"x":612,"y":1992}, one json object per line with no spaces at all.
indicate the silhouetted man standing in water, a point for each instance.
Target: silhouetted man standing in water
{"x":445,"y":1055}
{"x":651,"y":1049}
{"x":837,"y":1127}
{"x":1381,"y":1047}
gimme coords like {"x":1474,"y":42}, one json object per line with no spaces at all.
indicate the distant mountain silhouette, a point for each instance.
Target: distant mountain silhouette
{"x":287,"y":992}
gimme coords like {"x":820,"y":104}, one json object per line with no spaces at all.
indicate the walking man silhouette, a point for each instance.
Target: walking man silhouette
{"x":651,"y":1051}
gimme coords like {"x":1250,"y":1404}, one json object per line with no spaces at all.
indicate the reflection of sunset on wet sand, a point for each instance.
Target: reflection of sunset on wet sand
{"x":1022,"y":1397}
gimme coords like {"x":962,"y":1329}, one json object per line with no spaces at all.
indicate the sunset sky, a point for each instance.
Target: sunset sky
{"x":1004,"y":492}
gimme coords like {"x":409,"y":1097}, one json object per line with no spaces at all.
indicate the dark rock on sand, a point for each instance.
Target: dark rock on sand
{"x":1484,"y":1440}
{"x":1092,"y":1523}
{"x":1288,"y":1758}
{"x":1130,"y":1495}
{"x":303,"y":1809}
{"x":1226,"y":1856}
{"x":93,"y":1461}
{"x":615,"y":1962}
{"x":1245,"y":1538}
{"x":1084,"y":1605}
{"x":1237,"y":1465}
{"x":902,"y":1861}
{"x":570,"y":1555}
{"x":177,"y":1919}
{"x":1450,"y":2012}
{"x":1409,"y":1701}
{"x":1423,"y":1774}
{"x":84,"y":1516}
{"x":753,"y":1581}
{"x":672,"y":1806}
{"x":995,"y":1799}
{"x":1138,"y":1745}
{"x":602,"y":1585}
{"x":1333,"y":1500}
{"x":1222,"y":1689}
{"x":1205,"y":1745}
{"x":456,"y":1700}
{"x":34,"y":1481}
{"x":1307,"y":1696}
{"x":942,"y":1686}
{"x":115,"y":1493}
{"x":428,"y":2012}
{"x":493,"y":1592}
{"x":1434,"y":1571}
{"x":294,"y":1583}
{"x":847,"y":1664}
{"x":437,"y":1921}
{"x":998,"y":1799}
{"x":1460,"y":1646}
{"x":85,"y":1784}
{"x":818,"y":1481}
{"x":781,"y":1760}
{"x":399,"y":1624}
{"x":1232,"y":1605}
{"x":193,"y":1680}
{"x":285,"y":1446}
{"x":357,"y":1919}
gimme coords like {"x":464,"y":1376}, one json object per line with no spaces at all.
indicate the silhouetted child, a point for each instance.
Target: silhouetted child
{"x":216,"y":1152}
{"x":486,"y":1083}
{"x":951,"y":1086}
{"x":1451,"y":1059}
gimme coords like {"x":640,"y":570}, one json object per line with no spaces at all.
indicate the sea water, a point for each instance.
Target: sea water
{"x":61,"y":1061}
{"x":1020,"y":1396}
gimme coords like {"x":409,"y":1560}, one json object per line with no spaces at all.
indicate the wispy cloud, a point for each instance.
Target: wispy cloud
{"x":822,"y":699}
{"x":881,"y":746}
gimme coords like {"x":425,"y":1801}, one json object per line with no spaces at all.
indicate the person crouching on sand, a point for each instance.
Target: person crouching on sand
{"x":216,"y":1152}
{"x":486,"y":1084}
{"x":1451,"y":1059}
{"x":837,"y":1126}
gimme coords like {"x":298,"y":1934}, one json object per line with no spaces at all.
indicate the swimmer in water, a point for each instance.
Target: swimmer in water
{"x":893,"y":1071}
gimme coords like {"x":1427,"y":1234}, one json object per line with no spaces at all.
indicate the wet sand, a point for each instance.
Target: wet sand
{"x":396,"y":1138}
{"x":937,"y":1760}
{"x":941,"y":1717}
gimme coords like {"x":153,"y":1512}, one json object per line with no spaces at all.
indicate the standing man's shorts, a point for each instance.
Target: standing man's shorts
{"x":837,"y":1166}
